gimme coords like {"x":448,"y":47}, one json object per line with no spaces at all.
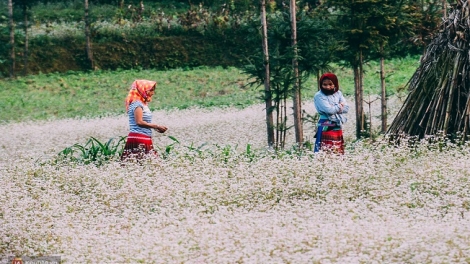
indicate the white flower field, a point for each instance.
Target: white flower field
{"x":220,"y":197}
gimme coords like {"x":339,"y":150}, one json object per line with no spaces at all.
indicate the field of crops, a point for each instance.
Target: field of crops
{"x":219,"y":196}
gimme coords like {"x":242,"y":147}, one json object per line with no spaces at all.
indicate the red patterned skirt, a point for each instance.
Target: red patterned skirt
{"x":333,"y":141}
{"x":138,"y":146}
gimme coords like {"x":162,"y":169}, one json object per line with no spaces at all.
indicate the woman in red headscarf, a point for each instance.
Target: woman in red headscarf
{"x":332,"y":107}
{"x":139,"y":141}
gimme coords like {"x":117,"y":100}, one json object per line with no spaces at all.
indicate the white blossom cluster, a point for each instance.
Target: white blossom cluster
{"x":378,"y":203}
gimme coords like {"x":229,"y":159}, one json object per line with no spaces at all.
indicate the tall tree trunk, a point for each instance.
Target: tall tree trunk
{"x":357,"y":100}
{"x":278,"y":107}
{"x":12,"y":38}
{"x":361,"y":91}
{"x":297,"y":95}
{"x":384,"y":94}
{"x":284,"y":122}
{"x":26,"y":40}
{"x":444,"y":8}
{"x":267,"y":85}
{"x":89,"y":51}
{"x":357,"y":68}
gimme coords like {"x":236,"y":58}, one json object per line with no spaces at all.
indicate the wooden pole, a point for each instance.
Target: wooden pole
{"x":89,"y":50}
{"x":295,"y":65}
{"x":26,"y":41}
{"x":12,"y":38}
{"x":267,"y":87}
{"x":383,"y":101}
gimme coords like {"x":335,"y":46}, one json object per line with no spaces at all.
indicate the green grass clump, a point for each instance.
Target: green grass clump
{"x":93,"y":151}
{"x":102,"y":93}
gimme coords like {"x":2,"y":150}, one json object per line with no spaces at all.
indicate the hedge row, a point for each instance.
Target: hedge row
{"x":48,"y":55}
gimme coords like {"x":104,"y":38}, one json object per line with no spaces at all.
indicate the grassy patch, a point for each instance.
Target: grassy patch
{"x":50,"y":96}
{"x":397,"y":73}
{"x":101,"y":93}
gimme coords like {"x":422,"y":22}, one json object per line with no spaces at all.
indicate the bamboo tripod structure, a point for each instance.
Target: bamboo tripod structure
{"x":439,"y":91}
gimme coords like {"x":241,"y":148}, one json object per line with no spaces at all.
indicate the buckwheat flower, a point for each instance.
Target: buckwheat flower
{"x":379,"y":202}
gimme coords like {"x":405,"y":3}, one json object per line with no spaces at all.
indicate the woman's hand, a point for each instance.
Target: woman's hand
{"x":341,"y":105}
{"x":161,"y":129}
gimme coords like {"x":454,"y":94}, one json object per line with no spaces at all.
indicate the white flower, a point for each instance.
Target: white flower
{"x":373,"y":204}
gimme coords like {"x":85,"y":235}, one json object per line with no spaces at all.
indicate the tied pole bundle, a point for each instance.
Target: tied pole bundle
{"x":438,"y":101}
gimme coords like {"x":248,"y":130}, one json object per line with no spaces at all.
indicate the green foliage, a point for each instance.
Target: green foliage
{"x":159,"y":40}
{"x":72,"y":10}
{"x":171,"y":34}
{"x":99,"y":153}
{"x":424,"y":20}
{"x":355,"y":21}
{"x":315,"y":50}
{"x":398,"y":72}
{"x":129,"y":48}
{"x":311,"y":120}
{"x":170,"y":147}
{"x":93,"y":152}
{"x":381,"y":28}
{"x":315,"y":53}
{"x":102,"y":93}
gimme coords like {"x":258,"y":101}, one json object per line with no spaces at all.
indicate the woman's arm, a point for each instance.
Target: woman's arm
{"x":138,"y":116}
{"x":344,"y":104}
{"x":324,"y":106}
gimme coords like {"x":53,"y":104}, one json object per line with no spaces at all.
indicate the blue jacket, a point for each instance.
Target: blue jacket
{"x":328,"y":106}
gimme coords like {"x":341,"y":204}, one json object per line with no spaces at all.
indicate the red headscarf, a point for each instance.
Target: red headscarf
{"x":332,"y":77}
{"x":138,"y":92}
